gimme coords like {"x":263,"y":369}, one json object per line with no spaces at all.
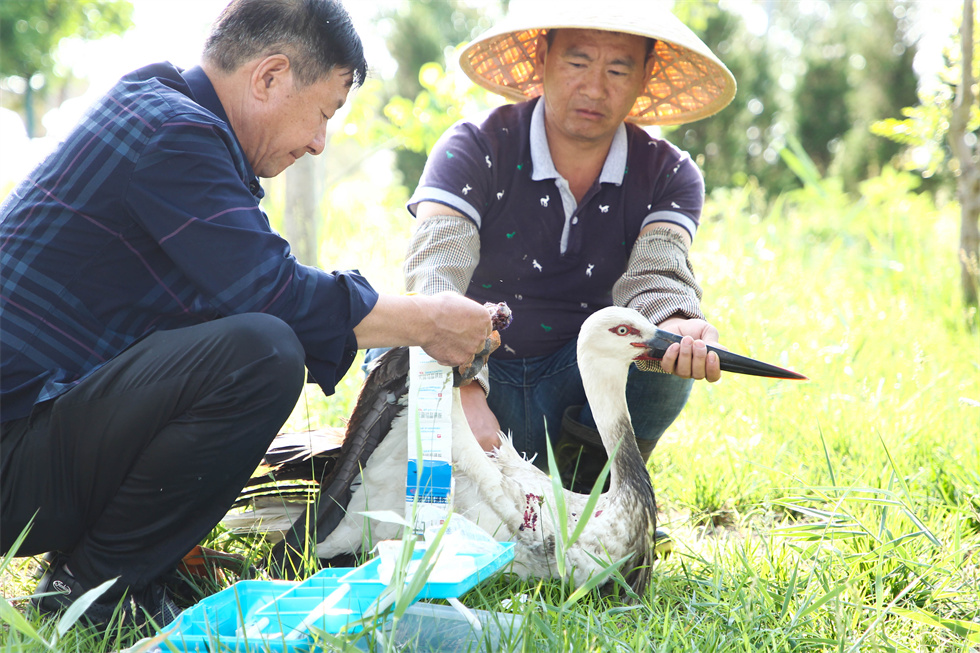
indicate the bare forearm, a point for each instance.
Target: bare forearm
{"x":395,"y":321}
{"x":480,"y":418}
{"x":449,"y":327}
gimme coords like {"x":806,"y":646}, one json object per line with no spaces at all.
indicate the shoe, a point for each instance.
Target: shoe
{"x":153,"y":605}
{"x":58,"y":589}
{"x":663,"y":544}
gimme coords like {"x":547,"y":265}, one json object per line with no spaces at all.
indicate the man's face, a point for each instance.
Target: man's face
{"x":591,"y":81}
{"x":292,"y":119}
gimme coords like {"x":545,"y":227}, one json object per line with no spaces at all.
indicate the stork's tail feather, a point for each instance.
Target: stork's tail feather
{"x":377,"y":405}
{"x":639,"y":578}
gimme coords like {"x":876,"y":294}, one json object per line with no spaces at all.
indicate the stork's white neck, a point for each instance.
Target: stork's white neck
{"x":605,"y":388}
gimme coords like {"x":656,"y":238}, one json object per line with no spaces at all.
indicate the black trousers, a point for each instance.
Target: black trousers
{"x":130,"y":469}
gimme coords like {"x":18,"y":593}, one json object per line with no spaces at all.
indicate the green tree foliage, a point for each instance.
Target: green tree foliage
{"x":30,"y":31}
{"x":921,"y":131}
{"x":823,"y":116}
{"x":948,"y":114}
{"x":858,"y":70}
{"x":886,"y":83}
{"x":744,"y":139}
{"x":415,"y":124}
{"x":420,"y":32}
{"x":823,"y":71}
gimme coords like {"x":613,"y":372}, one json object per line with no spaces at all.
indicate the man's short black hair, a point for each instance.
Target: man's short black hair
{"x":549,"y":37}
{"x":316,"y":35}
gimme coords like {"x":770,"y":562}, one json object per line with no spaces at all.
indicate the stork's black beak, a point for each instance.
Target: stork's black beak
{"x":730,"y":362}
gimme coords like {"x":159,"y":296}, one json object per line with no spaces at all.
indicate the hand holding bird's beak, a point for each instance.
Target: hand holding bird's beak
{"x":690,"y":358}
{"x":465,"y":373}
{"x":694,"y":354}
{"x":457,"y":327}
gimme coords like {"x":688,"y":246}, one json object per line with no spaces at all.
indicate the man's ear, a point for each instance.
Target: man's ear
{"x":269,"y":75}
{"x":541,"y":49}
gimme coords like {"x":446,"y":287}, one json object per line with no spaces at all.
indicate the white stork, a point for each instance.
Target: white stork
{"x":501,"y":491}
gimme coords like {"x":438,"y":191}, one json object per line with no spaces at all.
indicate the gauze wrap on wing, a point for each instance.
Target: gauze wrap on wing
{"x":659,"y":281}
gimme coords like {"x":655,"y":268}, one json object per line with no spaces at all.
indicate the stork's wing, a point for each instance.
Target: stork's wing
{"x":377,"y":405}
{"x":297,"y":447}
{"x":294,"y":465}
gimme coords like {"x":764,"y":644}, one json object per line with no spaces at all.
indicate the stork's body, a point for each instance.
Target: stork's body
{"x":513,"y":500}
{"x":501,"y":491}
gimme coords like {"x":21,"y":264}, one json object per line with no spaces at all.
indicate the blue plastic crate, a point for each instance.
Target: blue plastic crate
{"x":281,"y":617}
{"x":325,"y":602}
{"x":443,"y":583}
{"x":216,"y":623}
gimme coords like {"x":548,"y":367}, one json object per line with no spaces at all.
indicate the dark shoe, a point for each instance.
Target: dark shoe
{"x":58,"y":589}
{"x":153,"y":605}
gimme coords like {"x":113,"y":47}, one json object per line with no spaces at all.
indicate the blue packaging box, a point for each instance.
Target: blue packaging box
{"x":433,"y":479}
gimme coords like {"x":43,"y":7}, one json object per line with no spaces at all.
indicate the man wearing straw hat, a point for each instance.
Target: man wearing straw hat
{"x":561,"y":205}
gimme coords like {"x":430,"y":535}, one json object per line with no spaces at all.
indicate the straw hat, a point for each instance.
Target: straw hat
{"x":688,"y":82}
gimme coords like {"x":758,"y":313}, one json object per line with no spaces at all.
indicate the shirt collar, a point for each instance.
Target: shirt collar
{"x":543,"y":166}
{"x":204,"y":94}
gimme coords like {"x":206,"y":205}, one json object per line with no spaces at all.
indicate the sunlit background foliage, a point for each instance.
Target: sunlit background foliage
{"x":841,"y":514}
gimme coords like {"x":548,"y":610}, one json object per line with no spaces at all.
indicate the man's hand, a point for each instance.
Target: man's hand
{"x":690,"y":359}
{"x":459,"y":328}
{"x":481,"y":419}
{"x":448,"y":326}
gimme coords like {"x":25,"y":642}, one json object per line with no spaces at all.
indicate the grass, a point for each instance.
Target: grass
{"x":839,"y":514}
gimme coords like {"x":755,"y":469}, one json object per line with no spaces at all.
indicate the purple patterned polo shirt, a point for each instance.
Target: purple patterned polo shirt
{"x":553,"y":260}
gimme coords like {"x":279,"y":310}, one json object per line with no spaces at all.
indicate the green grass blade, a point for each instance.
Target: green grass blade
{"x":81,"y":604}
{"x":594,"y":581}
{"x":826,"y":456}
{"x":593,"y":499}
{"x":968,"y":630}
{"x":560,"y":510}
{"x":809,"y":607}
{"x":14,"y":619}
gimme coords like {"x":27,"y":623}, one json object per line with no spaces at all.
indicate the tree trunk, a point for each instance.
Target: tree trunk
{"x":301,"y":212}
{"x":30,"y":122}
{"x":966,"y":153}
